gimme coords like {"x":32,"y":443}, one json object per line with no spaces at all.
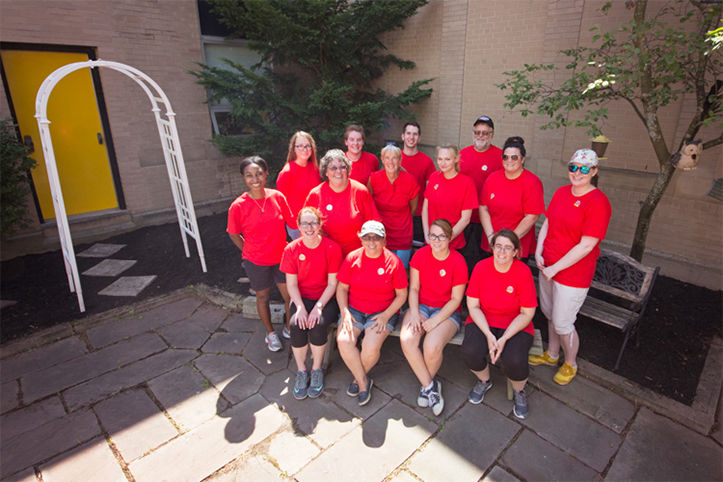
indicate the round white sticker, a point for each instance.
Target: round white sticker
{"x":380,"y":271}
{"x":442,"y":272}
{"x":484,"y":168}
{"x":329,"y":207}
{"x":302,"y":257}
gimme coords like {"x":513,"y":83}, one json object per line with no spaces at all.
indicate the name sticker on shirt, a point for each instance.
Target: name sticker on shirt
{"x":484,"y":167}
{"x":329,"y":207}
{"x":510,"y":289}
{"x":302,"y":257}
{"x":577,"y":203}
{"x":492,"y":196}
{"x":442,"y":272}
{"x":380,"y":271}
{"x":436,"y":186}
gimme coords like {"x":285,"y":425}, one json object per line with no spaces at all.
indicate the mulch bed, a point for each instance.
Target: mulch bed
{"x":680,"y":321}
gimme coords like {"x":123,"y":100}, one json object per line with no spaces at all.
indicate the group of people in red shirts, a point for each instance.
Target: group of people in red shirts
{"x":350,"y":260}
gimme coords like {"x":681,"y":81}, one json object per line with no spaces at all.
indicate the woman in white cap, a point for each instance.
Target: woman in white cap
{"x":372,"y":287}
{"x":576,"y":221}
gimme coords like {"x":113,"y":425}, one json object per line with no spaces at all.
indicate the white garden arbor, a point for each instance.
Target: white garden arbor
{"x":171,"y":152}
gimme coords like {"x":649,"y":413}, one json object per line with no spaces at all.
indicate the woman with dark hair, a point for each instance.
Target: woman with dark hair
{"x":256,"y":222}
{"x":395,"y":195}
{"x":449,"y":195}
{"x":299,"y":175}
{"x":311,"y":264}
{"x":567,"y":250}
{"x":512,"y":198}
{"x":345,"y":204}
{"x":437,"y":278}
{"x":501,"y":299}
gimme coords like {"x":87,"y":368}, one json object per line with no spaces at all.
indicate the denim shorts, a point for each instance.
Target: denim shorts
{"x":428,"y":312}
{"x":405,"y":255}
{"x":363,"y":321}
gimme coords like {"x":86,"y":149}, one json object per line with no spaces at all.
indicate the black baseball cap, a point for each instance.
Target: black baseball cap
{"x":483,"y":119}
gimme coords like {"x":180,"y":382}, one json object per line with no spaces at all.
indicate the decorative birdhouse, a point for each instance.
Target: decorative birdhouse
{"x":688,"y":157}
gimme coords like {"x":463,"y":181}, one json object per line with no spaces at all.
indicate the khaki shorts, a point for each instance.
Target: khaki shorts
{"x":560,"y":304}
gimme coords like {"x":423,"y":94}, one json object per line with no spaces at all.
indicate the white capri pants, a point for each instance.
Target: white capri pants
{"x":560,"y":304}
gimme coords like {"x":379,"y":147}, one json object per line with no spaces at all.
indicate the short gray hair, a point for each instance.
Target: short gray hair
{"x":333,"y":155}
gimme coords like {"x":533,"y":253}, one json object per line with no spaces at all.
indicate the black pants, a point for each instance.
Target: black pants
{"x":318,"y":334}
{"x":472,"y":250}
{"x":514,"y":354}
{"x":418,"y":229}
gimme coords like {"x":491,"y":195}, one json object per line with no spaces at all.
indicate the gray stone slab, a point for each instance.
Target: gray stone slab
{"x":127,"y":286}
{"x":469,"y":444}
{"x":498,"y":474}
{"x":101,"y":250}
{"x":657,"y":448}
{"x":290,"y":451}
{"x":185,"y":334}
{"x":110,"y":267}
{"x":6,"y":303}
{"x":237,"y":323}
{"x":9,"y":396}
{"x":86,"y":462}
{"x":39,"y":384}
{"x":337,"y":380}
{"x":187,"y":396}
{"x":42,"y":357}
{"x":129,"y":376}
{"x":496,"y":397}
{"x":718,"y":433}
{"x":134,"y":323}
{"x":233,"y":376}
{"x":205,"y":449}
{"x":27,"y":475}
{"x":30,"y":417}
{"x":533,"y":458}
{"x":259,"y":355}
{"x":47,"y":440}
{"x":233,"y":343}
{"x":208,"y":316}
{"x":583,"y":395}
{"x":378,"y":446}
{"x":320,"y":419}
{"x":251,"y":468}
{"x":571,"y":431}
{"x":454,"y":370}
{"x":135,"y":423}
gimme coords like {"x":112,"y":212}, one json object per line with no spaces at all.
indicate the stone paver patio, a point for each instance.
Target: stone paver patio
{"x":180,"y":388}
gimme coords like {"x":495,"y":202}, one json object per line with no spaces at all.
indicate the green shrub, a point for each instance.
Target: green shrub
{"x":14,"y":180}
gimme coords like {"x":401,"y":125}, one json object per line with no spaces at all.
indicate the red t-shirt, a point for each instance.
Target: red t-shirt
{"x":363,"y":167}
{"x":479,"y":165}
{"x":296,"y":181}
{"x":509,"y":200}
{"x":372,"y":281}
{"x":343,"y":213}
{"x":437,"y":278}
{"x":569,"y":218}
{"x":261,"y":222}
{"x":392,"y":201}
{"x":311,"y":265}
{"x":501,"y":295}
{"x":421,"y":166}
{"x":447,"y":198}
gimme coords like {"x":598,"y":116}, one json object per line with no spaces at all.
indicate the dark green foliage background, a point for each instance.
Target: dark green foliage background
{"x":14,"y":184}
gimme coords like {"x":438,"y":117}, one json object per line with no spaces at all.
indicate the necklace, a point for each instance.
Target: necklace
{"x":261,"y":207}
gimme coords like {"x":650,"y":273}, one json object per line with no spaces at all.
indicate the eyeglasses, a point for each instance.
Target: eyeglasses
{"x":435,"y":237}
{"x":574,"y":168}
{"x":338,"y":167}
{"x":504,"y":248}
{"x":303,"y":148}
{"x":483,"y":133}
{"x":309,"y":225}
{"x":514,"y":157}
{"x":371,"y":238}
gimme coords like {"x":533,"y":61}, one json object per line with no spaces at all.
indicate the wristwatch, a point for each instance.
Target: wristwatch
{"x":319,"y":305}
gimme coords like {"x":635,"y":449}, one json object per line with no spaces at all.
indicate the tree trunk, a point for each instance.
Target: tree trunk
{"x":647,"y":208}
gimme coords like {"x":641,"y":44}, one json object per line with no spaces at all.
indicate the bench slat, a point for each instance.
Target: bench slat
{"x":608,"y":313}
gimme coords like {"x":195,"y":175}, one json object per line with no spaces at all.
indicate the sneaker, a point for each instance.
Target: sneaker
{"x":300,"y":387}
{"x":317,"y":383}
{"x":366,"y":395}
{"x":565,"y":374}
{"x":353,"y":390}
{"x":273,"y":342}
{"x":422,"y":399}
{"x":286,"y":333}
{"x":478,"y":392}
{"x":435,"y":398}
{"x":520,"y":408}
{"x":545,"y":359}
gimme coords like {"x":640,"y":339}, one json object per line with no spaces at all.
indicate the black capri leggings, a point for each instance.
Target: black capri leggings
{"x":514,"y":354}
{"x":318,"y":334}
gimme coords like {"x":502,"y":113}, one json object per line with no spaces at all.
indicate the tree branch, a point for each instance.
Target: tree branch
{"x":713,"y":142}
{"x":635,"y":108}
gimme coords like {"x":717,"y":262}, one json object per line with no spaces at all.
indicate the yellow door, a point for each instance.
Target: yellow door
{"x":75,"y":127}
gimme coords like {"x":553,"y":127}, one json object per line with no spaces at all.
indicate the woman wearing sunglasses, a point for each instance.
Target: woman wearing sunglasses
{"x":512,"y":198}
{"x":299,"y":175}
{"x":567,"y":251}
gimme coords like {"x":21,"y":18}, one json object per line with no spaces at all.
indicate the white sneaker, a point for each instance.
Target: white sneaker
{"x":273,"y":342}
{"x":286,"y":333}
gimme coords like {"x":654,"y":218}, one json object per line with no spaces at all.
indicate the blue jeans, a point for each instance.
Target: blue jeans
{"x":405,"y":255}
{"x":363,"y":321}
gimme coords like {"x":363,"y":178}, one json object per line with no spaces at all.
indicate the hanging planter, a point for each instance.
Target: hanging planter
{"x":599,"y":144}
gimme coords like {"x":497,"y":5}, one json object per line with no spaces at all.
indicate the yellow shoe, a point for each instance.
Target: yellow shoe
{"x":565,"y":374}
{"x":545,"y":359}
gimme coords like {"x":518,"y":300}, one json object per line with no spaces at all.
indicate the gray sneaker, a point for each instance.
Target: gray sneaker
{"x":422,"y":400}
{"x":478,"y":392}
{"x":366,"y":395}
{"x":353,"y":389}
{"x":435,"y":398}
{"x":286,"y":333}
{"x":317,"y":383}
{"x":520,"y":408}
{"x":273,"y":342}
{"x":300,"y":387}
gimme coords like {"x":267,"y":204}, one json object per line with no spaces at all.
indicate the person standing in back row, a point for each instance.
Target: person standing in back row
{"x":362,"y":163}
{"x":419,"y":165}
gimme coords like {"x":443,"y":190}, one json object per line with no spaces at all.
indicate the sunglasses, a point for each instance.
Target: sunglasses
{"x":514,"y":157}
{"x":574,"y":168}
{"x":337,"y":168}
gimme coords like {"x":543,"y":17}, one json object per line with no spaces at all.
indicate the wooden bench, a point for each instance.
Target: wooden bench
{"x":619,"y":293}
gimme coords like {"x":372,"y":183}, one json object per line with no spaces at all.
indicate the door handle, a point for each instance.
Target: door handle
{"x":100,"y":139}
{"x":28,"y":141}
